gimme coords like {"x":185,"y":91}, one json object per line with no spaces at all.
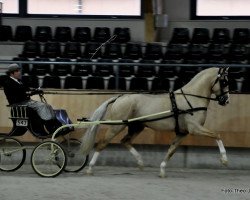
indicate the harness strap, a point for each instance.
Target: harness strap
{"x":175,"y":112}
{"x":187,"y":100}
{"x":188,"y":111}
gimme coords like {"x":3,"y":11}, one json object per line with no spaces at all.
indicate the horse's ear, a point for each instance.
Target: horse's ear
{"x":226,"y":69}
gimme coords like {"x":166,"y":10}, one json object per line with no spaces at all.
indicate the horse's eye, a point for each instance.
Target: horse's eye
{"x":224,"y":83}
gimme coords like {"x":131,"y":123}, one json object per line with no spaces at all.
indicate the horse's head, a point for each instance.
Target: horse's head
{"x":220,"y":86}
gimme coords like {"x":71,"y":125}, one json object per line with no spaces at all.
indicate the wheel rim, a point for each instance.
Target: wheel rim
{"x":48,"y":159}
{"x":76,"y":161}
{"x":12,"y":154}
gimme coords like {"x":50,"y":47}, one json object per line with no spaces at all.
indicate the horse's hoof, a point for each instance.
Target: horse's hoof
{"x":141,"y":167}
{"x":89,"y":172}
{"x":162,"y":175}
{"x":224,"y":162}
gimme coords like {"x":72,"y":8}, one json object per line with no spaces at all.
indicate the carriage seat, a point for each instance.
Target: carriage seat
{"x":62,"y":116}
{"x":25,"y":118}
{"x":18,"y":112}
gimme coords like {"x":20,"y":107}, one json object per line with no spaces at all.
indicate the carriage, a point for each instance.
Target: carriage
{"x":183,"y":111}
{"x":13,"y":152}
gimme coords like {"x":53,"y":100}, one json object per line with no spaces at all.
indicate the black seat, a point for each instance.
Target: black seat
{"x":51,"y":82}
{"x":113,"y":51}
{"x":153,"y":51}
{"x":133,"y":51}
{"x":117,"y":84}
{"x":126,"y":70}
{"x":41,"y":69}
{"x":95,"y":82}
{"x":139,"y":84}
{"x":31,"y":49}
{"x":62,"y":69}
{"x":30,"y":81}
{"x":176,"y":53}
{"x":72,"y":50}
{"x":122,"y":35}
{"x":217,"y":54}
{"x":43,"y":33}
{"x":146,"y":70}
{"x":101,"y":34}
{"x":233,"y":86}
{"x":73,"y":82}
{"x":81,"y":69}
{"x":241,"y":36}
{"x":52,"y":50}
{"x":23,"y":33}
{"x":235,"y":73}
{"x":200,"y":36}
{"x":3,"y":79}
{"x":238,"y":54}
{"x":63,"y":34}
{"x":92,"y":50}
{"x":166,"y":71}
{"x":25,"y":67}
{"x":180,"y":36}
{"x":82,"y":34}
{"x":221,"y":36}
{"x":187,"y":73}
{"x":196,"y":54}
{"x":245,"y":86}
{"x":104,"y":70}
{"x":6,"y":33}
{"x":160,"y":84}
{"x":179,"y":82}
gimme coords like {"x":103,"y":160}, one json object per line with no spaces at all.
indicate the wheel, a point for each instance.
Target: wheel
{"x":76,"y":161}
{"x":12,"y":154}
{"x":48,"y":159}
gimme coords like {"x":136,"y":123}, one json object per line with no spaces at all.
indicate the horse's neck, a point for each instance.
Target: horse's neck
{"x":199,"y":86}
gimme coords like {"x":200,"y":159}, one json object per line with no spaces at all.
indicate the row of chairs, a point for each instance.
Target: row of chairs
{"x":193,"y":53}
{"x":131,"y":69}
{"x":203,"y":36}
{"x":32,"y":49}
{"x":119,"y":67}
{"x":101,"y":83}
{"x":64,"y":34}
{"x":154,"y":84}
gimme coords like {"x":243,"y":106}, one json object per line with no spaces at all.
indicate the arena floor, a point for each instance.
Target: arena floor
{"x":127,"y":183}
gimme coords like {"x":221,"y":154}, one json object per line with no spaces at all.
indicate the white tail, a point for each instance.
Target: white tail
{"x":88,"y":139}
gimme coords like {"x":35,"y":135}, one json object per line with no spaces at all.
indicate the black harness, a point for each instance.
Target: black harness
{"x":177,"y":111}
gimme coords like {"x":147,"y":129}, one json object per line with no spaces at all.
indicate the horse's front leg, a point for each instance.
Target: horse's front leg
{"x":200,"y":130}
{"x":178,"y":139}
{"x":223,"y":153}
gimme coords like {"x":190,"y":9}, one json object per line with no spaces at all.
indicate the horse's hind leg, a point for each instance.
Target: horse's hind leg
{"x":133,"y":131}
{"x":176,"y":142}
{"x":110,"y":134}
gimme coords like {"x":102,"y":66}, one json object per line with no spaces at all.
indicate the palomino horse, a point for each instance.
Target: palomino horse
{"x":187,"y":107}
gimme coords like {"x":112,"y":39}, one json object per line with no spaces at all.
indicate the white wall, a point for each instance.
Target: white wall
{"x":136,"y":26}
{"x":179,"y":16}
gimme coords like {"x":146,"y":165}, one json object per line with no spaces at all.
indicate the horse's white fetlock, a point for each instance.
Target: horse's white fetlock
{"x":89,"y":171}
{"x":162,"y":170}
{"x":224,"y":160}
{"x":140,"y":165}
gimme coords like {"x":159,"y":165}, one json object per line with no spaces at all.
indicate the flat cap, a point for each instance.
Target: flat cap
{"x":13,"y":67}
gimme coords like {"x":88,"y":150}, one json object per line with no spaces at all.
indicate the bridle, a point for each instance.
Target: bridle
{"x":223,"y":81}
{"x":222,"y":78}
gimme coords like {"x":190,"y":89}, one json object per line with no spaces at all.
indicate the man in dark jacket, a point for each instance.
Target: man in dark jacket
{"x":17,"y":93}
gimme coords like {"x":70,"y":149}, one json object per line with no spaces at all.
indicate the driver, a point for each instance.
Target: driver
{"x":18,"y":94}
